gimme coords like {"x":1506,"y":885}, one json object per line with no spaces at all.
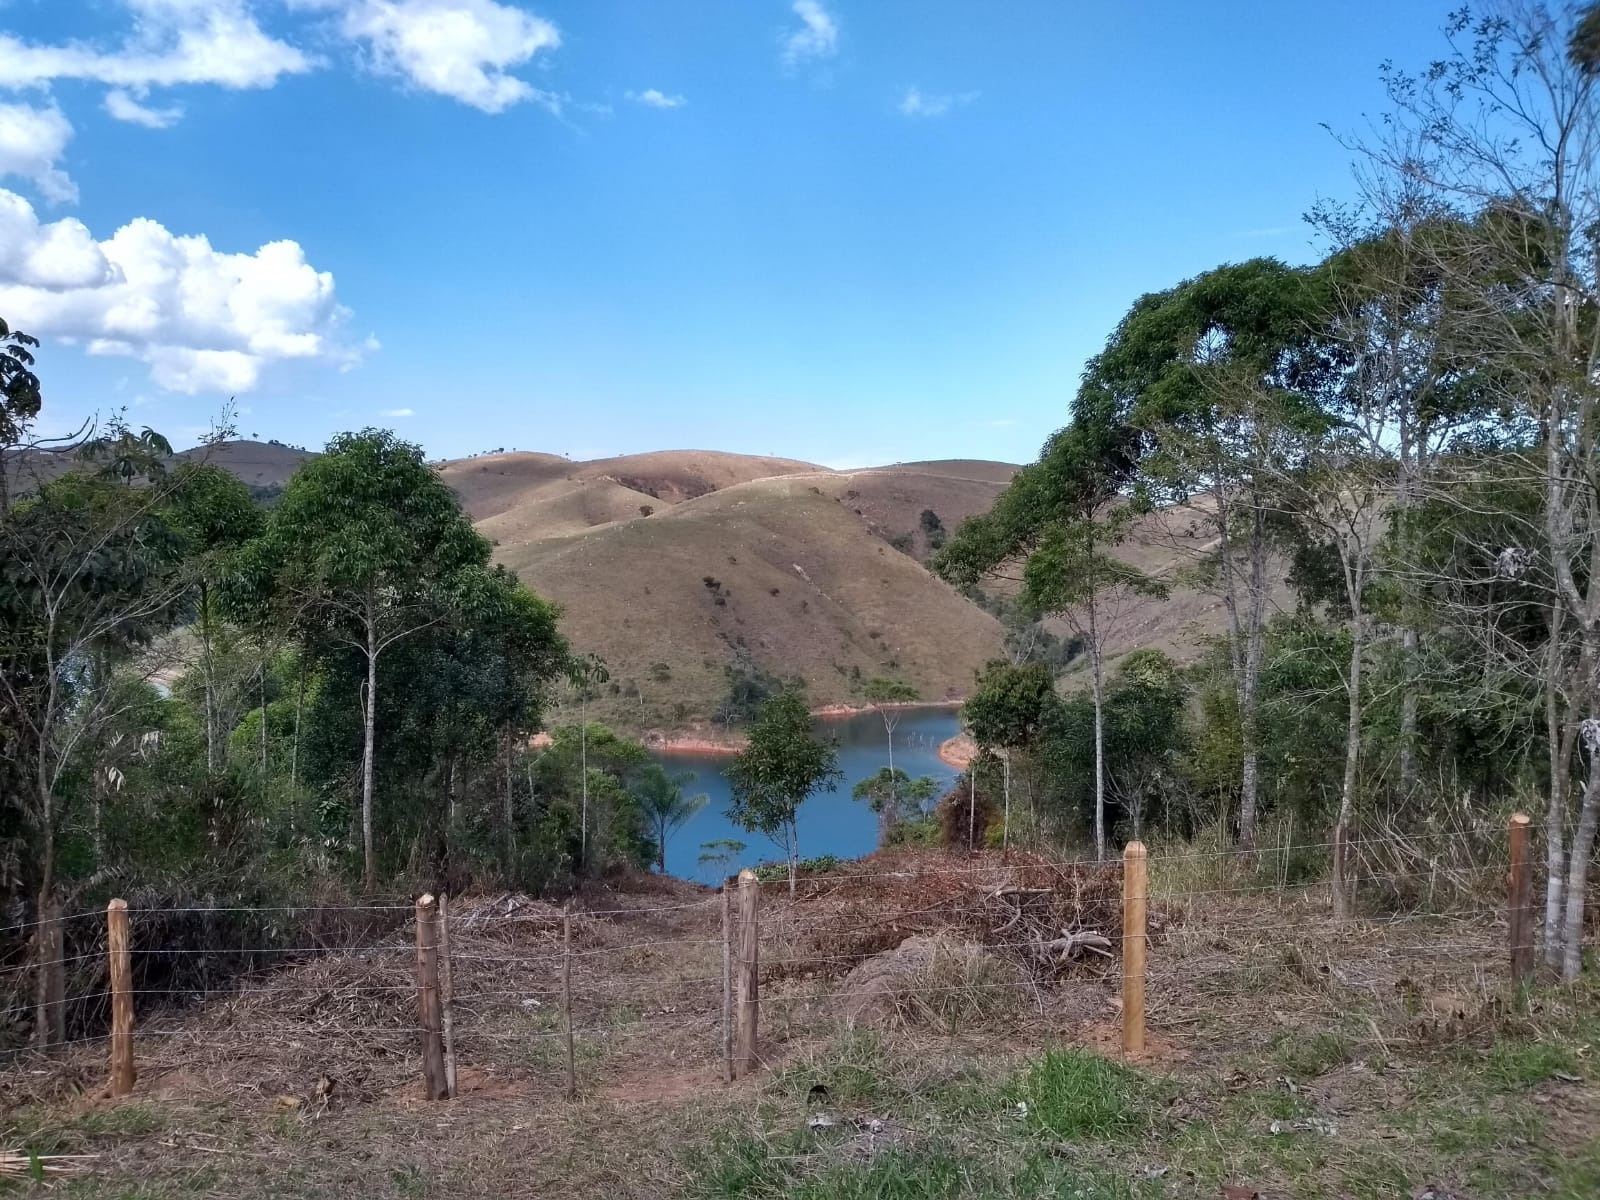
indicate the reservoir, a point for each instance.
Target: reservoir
{"x":829,"y":822}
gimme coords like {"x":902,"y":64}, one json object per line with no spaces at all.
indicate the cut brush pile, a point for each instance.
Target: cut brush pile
{"x":1045,"y":918}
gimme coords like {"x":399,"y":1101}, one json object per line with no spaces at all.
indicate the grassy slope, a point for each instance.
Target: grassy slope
{"x":805,"y":588}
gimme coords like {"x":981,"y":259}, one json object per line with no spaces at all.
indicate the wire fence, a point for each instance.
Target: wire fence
{"x":990,"y":945}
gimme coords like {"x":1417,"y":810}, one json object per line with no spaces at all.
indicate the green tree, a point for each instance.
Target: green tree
{"x":371,"y":545}
{"x":19,"y":387}
{"x":1060,"y":517}
{"x":886,"y":695}
{"x":1228,"y":364}
{"x":785,"y":762}
{"x":584,"y":674}
{"x":216,"y":514}
{"x":1072,"y":572}
{"x":894,"y":796}
{"x":661,"y":799}
{"x":92,"y":574}
{"x":1008,"y":710}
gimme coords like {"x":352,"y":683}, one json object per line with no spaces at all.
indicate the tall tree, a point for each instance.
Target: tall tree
{"x":1053,"y":527}
{"x":93,"y":572}
{"x":1505,"y":126}
{"x":584,"y":674}
{"x":785,"y":762}
{"x":885,"y":695}
{"x":1224,"y":363}
{"x":372,"y":545}
{"x":214,"y":510}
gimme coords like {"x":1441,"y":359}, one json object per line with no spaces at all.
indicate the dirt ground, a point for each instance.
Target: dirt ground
{"x":1288,"y":1055}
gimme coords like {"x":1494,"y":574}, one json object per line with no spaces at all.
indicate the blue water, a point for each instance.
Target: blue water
{"x":830,"y":822}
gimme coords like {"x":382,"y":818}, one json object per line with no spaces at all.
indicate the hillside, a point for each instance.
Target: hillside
{"x":685,"y":573}
{"x":264,"y":466}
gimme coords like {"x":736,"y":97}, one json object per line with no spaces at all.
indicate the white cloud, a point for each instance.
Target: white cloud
{"x":172,"y":42}
{"x":32,"y":141}
{"x":914,"y":102}
{"x":817,"y":37}
{"x":125,"y":106}
{"x":652,"y":98}
{"x":398,"y":412}
{"x":457,"y":48}
{"x":201,"y":319}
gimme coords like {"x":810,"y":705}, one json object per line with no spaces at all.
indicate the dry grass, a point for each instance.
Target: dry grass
{"x":1394,"y":1032}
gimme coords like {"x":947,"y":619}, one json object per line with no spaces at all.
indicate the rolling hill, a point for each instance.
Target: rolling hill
{"x":684,"y":569}
{"x":689,"y":569}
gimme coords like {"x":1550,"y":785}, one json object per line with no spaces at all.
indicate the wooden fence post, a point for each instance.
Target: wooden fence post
{"x":1521,"y":914}
{"x":1134,"y":893}
{"x":727,"y":983}
{"x":744,"y":1059}
{"x":447,"y":991}
{"x":566,"y":999}
{"x":121,"y":970}
{"x":434,"y":1085}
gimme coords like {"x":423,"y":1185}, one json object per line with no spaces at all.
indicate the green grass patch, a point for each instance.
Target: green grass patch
{"x":1308,"y":1055}
{"x":1514,"y":1065}
{"x":1079,"y":1094}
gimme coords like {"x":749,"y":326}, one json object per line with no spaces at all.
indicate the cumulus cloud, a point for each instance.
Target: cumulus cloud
{"x":32,"y":141}
{"x":202,"y":319}
{"x":398,"y":412}
{"x":463,"y":49}
{"x":652,"y":98}
{"x":172,"y":42}
{"x":817,"y":37}
{"x":914,"y":102}
{"x":125,"y":106}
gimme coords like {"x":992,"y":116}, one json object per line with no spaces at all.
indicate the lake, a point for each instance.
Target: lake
{"x":830,"y":822}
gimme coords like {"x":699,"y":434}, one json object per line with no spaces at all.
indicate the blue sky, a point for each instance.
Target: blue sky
{"x":850,"y":231}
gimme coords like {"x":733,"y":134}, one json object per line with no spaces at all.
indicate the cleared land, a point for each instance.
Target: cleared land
{"x":1290,"y":1056}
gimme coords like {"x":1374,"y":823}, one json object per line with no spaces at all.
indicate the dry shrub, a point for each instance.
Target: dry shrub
{"x":961,"y":812}
{"x":938,"y":981}
{"x":1012,"y":903}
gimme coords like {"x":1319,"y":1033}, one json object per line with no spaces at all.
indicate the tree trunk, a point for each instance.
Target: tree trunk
{"x":510,"y":815}
{"x":1099,"y":739}
{"x":369,"y":874}
{"x":50,"y":1023}
{"x":792,"y":836}
{"x":1342,"y":900}
{"x":1578,"y":870}
{"x":266,"y":775}
{"x":299,"y":707}
{"x":972,"y":804}
{"x":583,"y":771}
{"x":1408,"y":713}
{"x":1005,"y":828}
{"x":1555,"y":819}
{"x":208,"y":675}
{"x":894,"y":796}
{"x":1249,"y":677}
{"x":49,"y":1026}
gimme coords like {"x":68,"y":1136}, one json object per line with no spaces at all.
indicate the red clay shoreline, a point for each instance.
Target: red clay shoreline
{"x":733,"y":743}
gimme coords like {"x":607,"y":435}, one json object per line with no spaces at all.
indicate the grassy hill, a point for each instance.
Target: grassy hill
{"x":684,"y":569}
